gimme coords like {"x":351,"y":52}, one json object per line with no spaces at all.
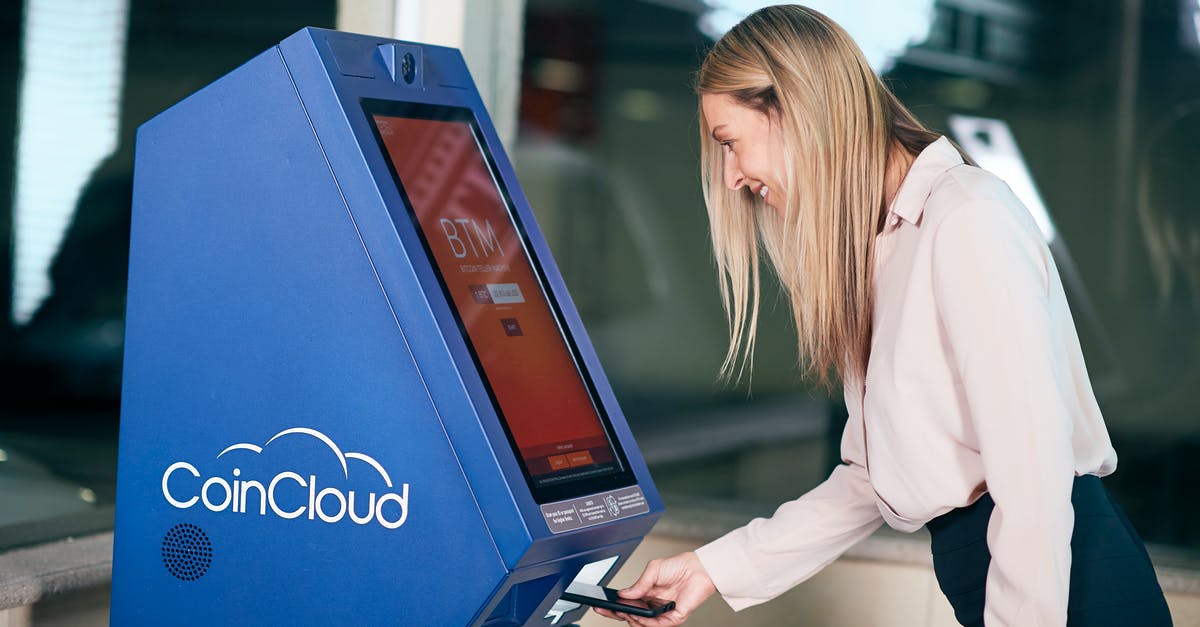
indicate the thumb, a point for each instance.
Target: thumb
{"x":644,"y":584}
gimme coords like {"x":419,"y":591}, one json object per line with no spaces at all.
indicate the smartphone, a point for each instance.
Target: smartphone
{"x":607,"y":598}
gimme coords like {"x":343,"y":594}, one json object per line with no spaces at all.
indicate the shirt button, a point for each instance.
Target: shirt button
{"x":895,"y":220}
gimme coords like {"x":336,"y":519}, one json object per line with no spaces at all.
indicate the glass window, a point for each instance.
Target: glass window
{"x":77,"y":77}
{"x":1091,"y":108}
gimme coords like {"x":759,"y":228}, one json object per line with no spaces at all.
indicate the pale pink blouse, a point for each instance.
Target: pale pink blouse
{"x":976,"y":383}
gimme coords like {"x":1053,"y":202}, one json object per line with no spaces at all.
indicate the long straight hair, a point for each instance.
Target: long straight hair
{"x":839,"y":123}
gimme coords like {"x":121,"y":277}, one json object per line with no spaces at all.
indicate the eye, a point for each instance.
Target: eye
{"x":727,"y":145}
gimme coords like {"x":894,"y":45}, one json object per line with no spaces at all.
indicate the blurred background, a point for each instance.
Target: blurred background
{"x":1090,"y":107}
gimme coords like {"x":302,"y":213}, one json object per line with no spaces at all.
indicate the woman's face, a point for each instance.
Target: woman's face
{"x":751,"y":145}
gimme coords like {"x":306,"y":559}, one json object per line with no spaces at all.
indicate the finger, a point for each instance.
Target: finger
{"x":644,"y":584}
{"x":615,"y":615}
{"x":667,"y":619}
{"x":674,"y":617}
{"x":636,"y":620}
{"x":606,"y":613}
{"x":628,"y":618}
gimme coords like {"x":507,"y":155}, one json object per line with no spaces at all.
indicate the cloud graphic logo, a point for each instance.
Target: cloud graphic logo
{"x":284,"y":494}
{"x":342,"y":457}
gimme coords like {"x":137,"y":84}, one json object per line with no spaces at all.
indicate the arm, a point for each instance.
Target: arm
{"x":991,"y":283}
{"x":765,"y":558}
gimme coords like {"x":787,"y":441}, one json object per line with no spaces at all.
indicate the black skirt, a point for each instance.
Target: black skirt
{"x":1112,"y":580}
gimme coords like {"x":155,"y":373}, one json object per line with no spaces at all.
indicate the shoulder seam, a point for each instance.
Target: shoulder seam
{"x":970,"y":194}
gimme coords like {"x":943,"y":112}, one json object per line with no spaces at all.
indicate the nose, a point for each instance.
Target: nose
{"x":734,"y":178}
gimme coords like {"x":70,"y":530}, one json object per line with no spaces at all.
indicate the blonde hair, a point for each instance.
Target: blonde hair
{"x":838,"y":122}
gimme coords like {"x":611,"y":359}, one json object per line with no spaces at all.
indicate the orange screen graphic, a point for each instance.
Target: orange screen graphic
{"x":498,"y":298}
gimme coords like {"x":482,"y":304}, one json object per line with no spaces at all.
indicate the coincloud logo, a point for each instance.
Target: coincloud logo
{"x":288,"y":494}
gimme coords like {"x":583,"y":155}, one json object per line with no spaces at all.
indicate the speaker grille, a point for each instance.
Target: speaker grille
{"x":187,"y":551}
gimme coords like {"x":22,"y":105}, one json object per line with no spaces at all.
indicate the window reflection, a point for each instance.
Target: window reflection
{"x":72,"y":59}
{"x":607,"y":154}
{"x":77,"y":77}
{"x":1190,"y":23}
{"x":884,"y":29}
{"x":1063,"y":76}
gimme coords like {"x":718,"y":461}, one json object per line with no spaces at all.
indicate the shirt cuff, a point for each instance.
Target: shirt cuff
{"x":732,"y":572}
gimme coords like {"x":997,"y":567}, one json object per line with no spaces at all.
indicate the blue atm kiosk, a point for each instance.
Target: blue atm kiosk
{"x":356,"y":391}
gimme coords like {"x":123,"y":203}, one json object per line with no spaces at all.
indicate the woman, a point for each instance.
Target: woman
{"x":921,"y":282}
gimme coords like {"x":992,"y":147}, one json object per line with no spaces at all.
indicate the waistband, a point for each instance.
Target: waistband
{"x":1088,"y":497}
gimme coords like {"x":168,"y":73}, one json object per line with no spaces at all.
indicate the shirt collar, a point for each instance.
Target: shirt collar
{"x":909,"y":202}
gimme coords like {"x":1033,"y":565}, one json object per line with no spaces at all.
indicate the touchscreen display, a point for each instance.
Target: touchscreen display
{"x":502,"y":310}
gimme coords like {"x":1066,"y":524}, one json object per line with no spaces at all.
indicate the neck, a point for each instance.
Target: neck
{"x":899,"y":160}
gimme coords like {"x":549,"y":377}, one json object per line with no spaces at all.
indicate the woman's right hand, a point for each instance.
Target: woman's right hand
{"x":681,"y":579}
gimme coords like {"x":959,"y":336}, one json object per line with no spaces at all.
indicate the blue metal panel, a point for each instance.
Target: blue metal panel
{"x":253,"y":309}
{"x":286,"y":328}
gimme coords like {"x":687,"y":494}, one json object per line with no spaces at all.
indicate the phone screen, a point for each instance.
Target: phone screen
{"x":609,"y":599}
